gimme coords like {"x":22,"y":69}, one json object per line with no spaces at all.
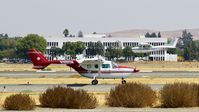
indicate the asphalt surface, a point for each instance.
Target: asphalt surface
{"x":90,"y":88}
{"x":113,"y":109}
{"x":117,"y":109}
{"x":54,"y":74}
{"x":87,"y":87}
{"x":43,"y":87}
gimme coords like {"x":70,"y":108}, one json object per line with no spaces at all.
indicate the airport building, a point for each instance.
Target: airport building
{"x":154,"y":55}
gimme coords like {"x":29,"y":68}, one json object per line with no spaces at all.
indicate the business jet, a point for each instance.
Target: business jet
{"x":146,"y":47}
{"x":95,"y":68}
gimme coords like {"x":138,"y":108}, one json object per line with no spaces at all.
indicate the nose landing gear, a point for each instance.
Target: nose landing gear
{"x":94,"y":82}
{"x":123,"y":81}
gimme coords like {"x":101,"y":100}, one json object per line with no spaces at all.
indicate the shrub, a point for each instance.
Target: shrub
{"x":19,"y":102}
{"x":131,"y":95}
{"x":197,"y":88}
{"x":61,"y":97}
{"x":179,"y":95}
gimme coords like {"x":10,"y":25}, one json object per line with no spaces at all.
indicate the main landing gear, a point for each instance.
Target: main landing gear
{"x":123,"y":81}
{"x":94,"y":82}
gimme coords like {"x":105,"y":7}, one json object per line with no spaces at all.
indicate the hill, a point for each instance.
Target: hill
{"x":166,"y":34}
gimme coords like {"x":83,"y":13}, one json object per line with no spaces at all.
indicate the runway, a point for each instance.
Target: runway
{"x":43,"y":87}
{"x":87,"y":87}
{"x":54,"y":74}
{"x":90,"y":88}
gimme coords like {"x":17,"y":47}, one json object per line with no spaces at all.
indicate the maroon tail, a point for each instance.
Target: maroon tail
{"x":38,"y":59}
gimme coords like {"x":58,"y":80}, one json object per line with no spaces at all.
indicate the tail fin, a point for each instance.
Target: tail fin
{"x":38,"y":59}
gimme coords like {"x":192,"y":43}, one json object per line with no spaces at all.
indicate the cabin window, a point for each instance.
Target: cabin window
{"x":89,"y":66}
{"x":96,"y":66}
{"x":105,"y":66}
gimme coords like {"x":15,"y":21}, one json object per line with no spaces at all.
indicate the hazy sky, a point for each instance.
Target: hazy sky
{"x":50,"y":17}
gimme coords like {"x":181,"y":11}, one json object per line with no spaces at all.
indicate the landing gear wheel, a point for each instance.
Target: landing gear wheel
{"x":123,"y":81}
{"x":94,"y":82}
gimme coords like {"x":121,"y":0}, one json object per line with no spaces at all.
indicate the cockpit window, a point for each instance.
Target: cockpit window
{"x":105,"y":66}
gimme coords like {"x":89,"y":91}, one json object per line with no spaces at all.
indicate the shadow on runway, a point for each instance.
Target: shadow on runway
{"x":77,"y":85}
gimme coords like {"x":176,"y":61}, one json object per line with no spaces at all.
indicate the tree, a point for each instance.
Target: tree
{"x":6,"y":35}
{"x":141,"y":54}
{"x":147,"y":34}
{"x":7,"y":43}
{"x":55,"y":51}
{"x":79,"y":47}
{"x":196,"y":42}
{"x":73,"y":48}
{"x":185,"y":40}
{"x":159,"y":35}
{"x":9,"y":53}
{"x":91,"y":49}
{"x":127,"y":52}
{"x":31,"y":41}
{"x":114,"y":52}
{"x":80,"y":34}
{"x":188,"y":46}
{"x":110,"y":52}
{"x":180,"y":52}
{"x":99,"y":48}
{"x":118,"y":53}
{"x":191,"y":52}
{"x":153,"y":34}
{"x":66,"y":32}
{"x":95,"y":49}
{"x":7,"y":47}
{"x":69,"y":49}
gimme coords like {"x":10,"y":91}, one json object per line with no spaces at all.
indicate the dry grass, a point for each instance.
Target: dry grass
{"x":35,"y":95}
{"x":164,"y":66}
{"x":19,"y":102}
{"x":28,"y":67}
{"x":131,"y":95}
{"x":4,"y":95}
{"x":61,"y":97}
{"x":75,"y":76}
{"x":179,"y":95}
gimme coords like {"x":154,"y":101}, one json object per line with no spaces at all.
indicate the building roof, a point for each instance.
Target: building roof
{"x":104,"y":39}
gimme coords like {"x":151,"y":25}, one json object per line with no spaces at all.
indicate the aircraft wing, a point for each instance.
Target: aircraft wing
{"x":172,"y":44}
{"x":93,"y":60}
{"x":151,"y":48}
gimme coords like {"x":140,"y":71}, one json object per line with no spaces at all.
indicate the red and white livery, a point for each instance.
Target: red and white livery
{"x":92,"y":68}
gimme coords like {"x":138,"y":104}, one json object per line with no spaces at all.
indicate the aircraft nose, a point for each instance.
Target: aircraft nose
{"x":136,"y":70}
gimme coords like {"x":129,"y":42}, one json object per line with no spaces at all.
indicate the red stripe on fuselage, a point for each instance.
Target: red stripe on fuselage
{"x":77,"y":67}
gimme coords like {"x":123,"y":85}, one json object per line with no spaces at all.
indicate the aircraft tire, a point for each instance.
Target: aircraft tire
{"x":94,"y":82}
{"x":123,"y":81}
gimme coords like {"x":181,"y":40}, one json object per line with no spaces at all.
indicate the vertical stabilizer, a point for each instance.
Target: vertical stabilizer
{"x":38,"y":59}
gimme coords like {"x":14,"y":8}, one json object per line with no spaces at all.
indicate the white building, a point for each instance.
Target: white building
{"x":157,"y":55}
